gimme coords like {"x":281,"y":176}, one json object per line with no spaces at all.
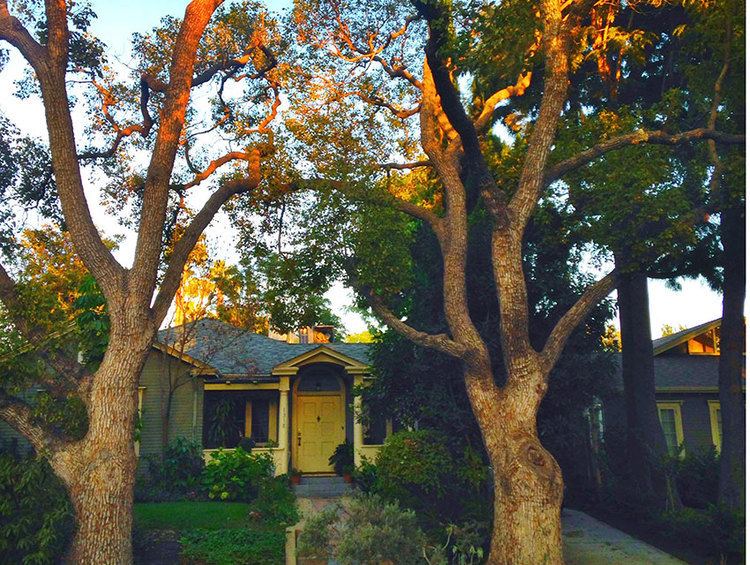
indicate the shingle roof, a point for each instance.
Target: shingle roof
{"x":235,"y":351}
{"x":674,"y":372}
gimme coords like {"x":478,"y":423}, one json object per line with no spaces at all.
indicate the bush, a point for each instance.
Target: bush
{"x":236,"y":474}
{"x":715,"y":530}
{"x":175,"y":477}
{"x":417,"y":469}
{"x":276,"y":502}
{"x":36,"y":518}
{"x":364,"y":529}
{"x":698,"y":478}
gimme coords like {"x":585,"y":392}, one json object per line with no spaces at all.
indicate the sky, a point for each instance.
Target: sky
{"x":117,"y":21}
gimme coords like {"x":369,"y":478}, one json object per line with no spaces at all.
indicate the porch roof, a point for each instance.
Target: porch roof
{"x":240,"y":353}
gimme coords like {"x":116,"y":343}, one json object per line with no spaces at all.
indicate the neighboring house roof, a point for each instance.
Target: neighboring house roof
{"x":235,"y":351}
{"x":684,"y":373}
{"x":662,"y":344}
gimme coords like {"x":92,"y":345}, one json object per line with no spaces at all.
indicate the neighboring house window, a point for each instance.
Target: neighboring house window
{"x":670,"y":416}
{"x":714,"y":411}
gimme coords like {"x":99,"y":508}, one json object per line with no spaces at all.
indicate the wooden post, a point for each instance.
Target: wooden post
{"x":284,"y":424}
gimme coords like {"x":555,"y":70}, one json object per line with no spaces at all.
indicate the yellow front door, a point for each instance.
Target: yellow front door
{"x":320,"y":428}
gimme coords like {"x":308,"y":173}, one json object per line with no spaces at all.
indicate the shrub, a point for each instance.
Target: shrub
{"x":236,"y":474}
{"x":36,"y":518}
{"x":276,"y":502}
{"x":698,"y":478}
{"x":418,"y":469}
{"x":364,"y":529}
{"x":715,"y":530}
{"x":175,"y":477}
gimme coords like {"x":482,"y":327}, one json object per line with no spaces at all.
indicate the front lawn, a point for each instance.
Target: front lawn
{"x":187,"y":515}
{"x":215,"y":533}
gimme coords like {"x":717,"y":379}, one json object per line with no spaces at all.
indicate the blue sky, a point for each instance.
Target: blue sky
{"x":118,"y":20}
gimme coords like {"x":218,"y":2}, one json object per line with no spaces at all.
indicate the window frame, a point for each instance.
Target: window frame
{"x":714,"y":406}
{"x":676,"y":407}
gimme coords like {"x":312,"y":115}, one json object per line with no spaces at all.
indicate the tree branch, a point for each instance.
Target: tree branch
{"x":573,"y":317}
{"x":189,"y":238}
{"x":14,"y":32}
{"x":154,"y":209}
{"x":20,"y":416}
{"x":439,"y":342}
{"x":484,"y":120}
{"x":637,"y":138}
{"x":556,"y":42}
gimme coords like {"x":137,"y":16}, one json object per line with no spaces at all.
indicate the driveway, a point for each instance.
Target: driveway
{"x":587,"y":541}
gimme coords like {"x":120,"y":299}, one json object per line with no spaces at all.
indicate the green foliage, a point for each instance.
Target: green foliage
{"x":65,"y":416}
{"x":342,"y":458}
{"x":92,"y":320}
{"x":228,"y":547}
{"x":417,"y":469}
{"x":176,"y":476}
{"x":236,"y":474}
{"x":36,"y":518}
{"x":364,"y":529}
{"x":276,"y":502}
{"x":698,"y":477}
{"x":716,"y":530}
{"x":413,"y":462}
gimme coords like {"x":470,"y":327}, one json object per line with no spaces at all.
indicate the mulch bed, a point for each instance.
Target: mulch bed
{"x":156,"y":547}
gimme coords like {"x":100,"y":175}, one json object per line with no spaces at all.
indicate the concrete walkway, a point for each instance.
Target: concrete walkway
{"x":587,"y":541}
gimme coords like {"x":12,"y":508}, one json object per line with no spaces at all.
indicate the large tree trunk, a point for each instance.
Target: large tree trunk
{"x":528,"y":484}
{"x":732,"y":361}
{"x":99,"y":471}
{"x":645,"y":443}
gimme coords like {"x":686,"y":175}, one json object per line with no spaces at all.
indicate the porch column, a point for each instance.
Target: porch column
{"x":283,"y":424}
{"x":359,"y":436}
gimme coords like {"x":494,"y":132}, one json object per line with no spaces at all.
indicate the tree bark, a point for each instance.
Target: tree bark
{"x":645,"y":444}
{"x":528,"y":484}
{"x":732,"y":361}
{"x":99,"y":471}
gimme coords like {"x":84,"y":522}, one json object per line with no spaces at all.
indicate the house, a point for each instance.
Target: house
{"x":686,"y":374}
{"x":221,"y":384}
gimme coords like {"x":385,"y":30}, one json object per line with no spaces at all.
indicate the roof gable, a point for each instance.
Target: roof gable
{"x":665,"y":343}
{"x":321,"y":354}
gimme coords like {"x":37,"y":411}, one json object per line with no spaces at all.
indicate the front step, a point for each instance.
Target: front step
{"x":312,"y":486}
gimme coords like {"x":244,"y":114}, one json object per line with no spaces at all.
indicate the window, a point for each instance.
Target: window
{"x":714,"y":412}
{"x":670,"y":416}
{"x":230,"y":416}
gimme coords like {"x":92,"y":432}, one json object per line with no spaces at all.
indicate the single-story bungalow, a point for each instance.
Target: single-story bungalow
{"x":222,"y":384}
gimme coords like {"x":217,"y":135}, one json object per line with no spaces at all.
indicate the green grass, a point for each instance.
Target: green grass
{"x":191,"y":515}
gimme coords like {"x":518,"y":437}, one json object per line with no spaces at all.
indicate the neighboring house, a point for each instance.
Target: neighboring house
{"x":294,"y":400}
{"x":686,"y":372}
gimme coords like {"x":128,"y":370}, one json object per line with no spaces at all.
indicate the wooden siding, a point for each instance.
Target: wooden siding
{"x":186,"y":414}
{"x":696,"y":422}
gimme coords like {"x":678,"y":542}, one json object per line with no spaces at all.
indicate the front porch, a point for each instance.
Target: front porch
{"x":298,"y":414}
